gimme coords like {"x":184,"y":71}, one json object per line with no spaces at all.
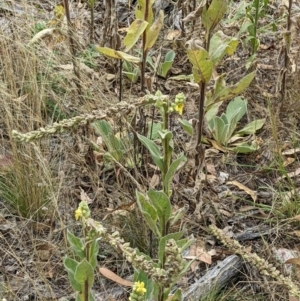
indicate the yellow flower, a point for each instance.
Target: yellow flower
{"x":179,"y":108}
{"x":59,"y":12}
{"x":78,"y":213}
{"x":139,"y":287}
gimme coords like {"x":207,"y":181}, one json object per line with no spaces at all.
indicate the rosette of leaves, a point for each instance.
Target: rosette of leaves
{"x":116,"y":144}
{"x":224,"y":128}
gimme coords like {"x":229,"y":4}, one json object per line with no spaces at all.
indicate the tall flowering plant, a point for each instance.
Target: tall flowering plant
{"x":154,"y":277}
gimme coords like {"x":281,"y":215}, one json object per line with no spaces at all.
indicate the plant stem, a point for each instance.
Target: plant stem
{"x":201,"y":112}
{"x":166,"y":188}
{"x":92,"y":23}
{"x":86,"y":290}
{"x":166,"y":154}
{"x":144,"y":50}
{"x":202,"y":96}
{"x":256,"y":4}
{"x":286,"y":56}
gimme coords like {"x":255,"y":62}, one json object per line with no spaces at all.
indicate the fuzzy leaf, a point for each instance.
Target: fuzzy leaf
{"x":245,"y":148}
{"x":212,"y":112}
{"x":112,"y":143}
{"x":252,"y":127}
{"x":115,"y":54}
{"x":170,"y":56}
{"x":148,"y":211}
{"x":232,"y":124}
{"x":186,"y":126}
{"x":155,"y":127}
{"x":220,"y":129}
{"x":154,"y":31}
{"x":76,"y":244}
{"x":136,"y":28}
{"x":154,"y":151}
{"x":214,"y":14}
{"x":141,"y":9}
{"x":177,"y":296}
{"x":202,"y":65}
{"x":234,"y":105}
{"x":84,"y":272}
{"x":220,"y":45}
{"x":243,"y":83}
{"x":234,"y":90}
{"x":93,"y":250}
{"x":162,"y":205}
{"x":164,"y":68}
{"x":172,"y":169}
{"x":71,"y":266}
{"x":167,"y":64}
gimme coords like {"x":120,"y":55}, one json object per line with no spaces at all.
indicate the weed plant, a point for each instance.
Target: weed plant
{"x":27,"y":182}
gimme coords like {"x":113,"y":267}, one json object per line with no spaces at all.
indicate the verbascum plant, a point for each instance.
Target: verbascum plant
{"x":145,"y":26}
{"x":264,"y":267}
{"x":122,"y":108}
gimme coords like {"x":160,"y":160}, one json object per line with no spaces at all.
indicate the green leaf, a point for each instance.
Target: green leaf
{"x":234,"y":105}
{"x":115,"y":54}
{"x":186,"y":126}
{"x":148,"y":212}
{"x":141,"y":9}
{"x":164,"y":68}
{"x":245,"y":148}
{"x":232,"y":124}
{"x":220,"y":130}
{"x":154,"y":151}
{"x":133,"y":76}
{"x":167,"y":64}
{"x":177,"y":296}
{"x":220,"y":45}
{"x":136,"y":28}
{"x":170,"y":56}
{"x":252,"y":127}
{"x":234,"y":90}
{"x":154,"y":31}
{"x":162,"y":204}
{"x":155,"y":127}
{"x":202,"y":65}
{"x":214,"y":14}
{"x":185,"y":243}
{"x":93,"y":250}
{"x":76,"y":244}
{"x":131,"y":71}
{"x":178,"y":214}
{"x":162,"y":243}
{"x":166,"y":135}
{"x":70,"y":266}
{"x":224,"y":118}
{"x":84,"y":272}
{"x":112,"y":143}
{"x":103,"y":128}
{"x":243,"y":83}
{"x":172,"y":169}
{"x":212,"y":112}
